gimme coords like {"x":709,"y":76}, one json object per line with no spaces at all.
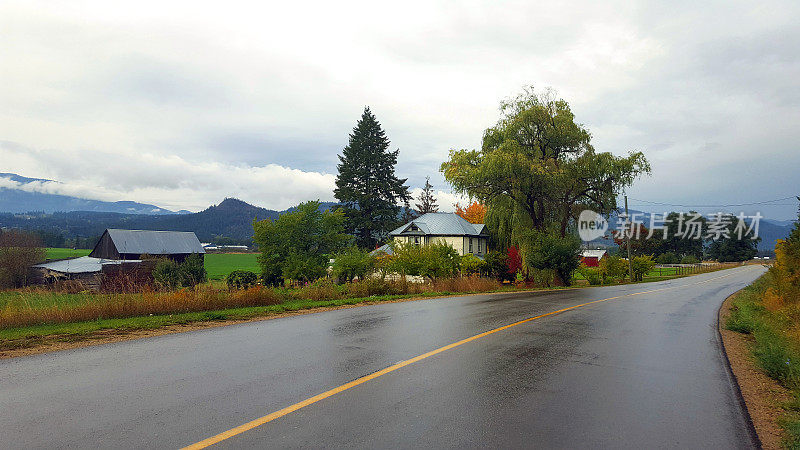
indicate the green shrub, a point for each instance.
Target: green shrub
{"x":667,"y":258}
{"x":193,"y":271}
{"x":440,"y":260}
{"x":352,"y":263}
{"x":642,"y":265}
{"x":547,"y":251}
{"x":303,"y":267}
{"x":472,"y":265}
{"x":407,"y":259}
{"x":433,"y":260}
{"x":592,"y":275}
{"x":613,"y":267}
{"x":690,"y":259}
{"x":241,"y":279}
{"x":167,"y":274}
{"x":497,"y":266}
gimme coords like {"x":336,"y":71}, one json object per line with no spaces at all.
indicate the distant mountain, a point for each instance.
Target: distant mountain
{"x":19,"y":200}
{"x":231,"y":219}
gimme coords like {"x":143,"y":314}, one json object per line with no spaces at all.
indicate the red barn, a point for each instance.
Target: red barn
{"x":591,"y":258}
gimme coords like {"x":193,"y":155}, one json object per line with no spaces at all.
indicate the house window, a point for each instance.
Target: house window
{"x":479,"y":245}
{"x":470,"y":245}
{"x":416,"y":241}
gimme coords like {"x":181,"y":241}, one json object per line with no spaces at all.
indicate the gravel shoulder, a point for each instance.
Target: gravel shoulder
{"x":762,"y":395}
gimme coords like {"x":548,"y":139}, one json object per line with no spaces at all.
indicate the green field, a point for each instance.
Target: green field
{"x":64,"y":253}
{"x":218,"y":265}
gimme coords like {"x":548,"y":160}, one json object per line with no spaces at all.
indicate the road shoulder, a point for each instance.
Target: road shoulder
{"x":762,"y":395}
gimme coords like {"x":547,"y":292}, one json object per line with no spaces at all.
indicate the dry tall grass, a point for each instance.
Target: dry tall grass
{"x":107,"y":306}
{"x":29,"y":309}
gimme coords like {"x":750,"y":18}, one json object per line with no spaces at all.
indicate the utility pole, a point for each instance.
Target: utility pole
{"x":628,"y":240}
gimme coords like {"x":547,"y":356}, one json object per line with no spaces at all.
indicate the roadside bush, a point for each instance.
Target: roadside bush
{"x":641,"y":266}
{"x":432,"y":261}
{"x":241,"y":279}
{"x":193,"y":271}
{"x":613,"y":267}
{"x":513,"y":263}
{"x":690,"y":259}
{"x":497,"y":267}
{"x":540,"y":277}
{"x":407,"y":259}
{"x":667,"y":258}
{"x":352,"y":263}
{"x":472,"y":265}
{"x":383,"y":264}
{"x":440,"y":260}
{"x":592,"y":275}
{"x":304,"y":267}
{"x":546,"y":251}
{"x":167,"y":274}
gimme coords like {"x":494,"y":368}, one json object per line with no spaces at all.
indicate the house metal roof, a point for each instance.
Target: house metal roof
{"x":155,"y":242}
{"x":84,"y":264}
{"x":440,"y":224}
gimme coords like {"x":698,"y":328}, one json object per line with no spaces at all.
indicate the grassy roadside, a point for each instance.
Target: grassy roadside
{"x":22,"y":337}
{"x":34,"y":335}
{"x":774,"y":332}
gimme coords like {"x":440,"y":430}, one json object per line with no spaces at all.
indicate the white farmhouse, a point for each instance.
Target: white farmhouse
{"x":448,"y":228}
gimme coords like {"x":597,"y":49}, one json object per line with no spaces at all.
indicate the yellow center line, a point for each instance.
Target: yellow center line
{"x":289,"y":409}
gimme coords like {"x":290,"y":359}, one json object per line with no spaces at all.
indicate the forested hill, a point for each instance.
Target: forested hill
{"x":231,"y":219}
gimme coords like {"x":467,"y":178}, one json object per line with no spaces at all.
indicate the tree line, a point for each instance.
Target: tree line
{"x":535,"y":171}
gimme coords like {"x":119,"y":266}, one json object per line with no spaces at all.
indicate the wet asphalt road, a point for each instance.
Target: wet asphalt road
{"x":641,"y":370}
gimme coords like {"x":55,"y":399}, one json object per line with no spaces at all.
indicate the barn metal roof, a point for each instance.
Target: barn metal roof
{"x":155,"y":242}
{"x":593,"y":253}
{"x":440,"y":224}
{"x":385,"y":248}
{"x":84,"y":264}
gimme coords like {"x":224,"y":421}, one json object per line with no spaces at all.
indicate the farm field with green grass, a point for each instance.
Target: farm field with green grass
{"x":64,"y":253}
{"x":218,"y":265}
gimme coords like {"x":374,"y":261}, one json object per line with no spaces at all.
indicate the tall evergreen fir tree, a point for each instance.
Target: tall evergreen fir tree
{"x":427,"y":201}
{"x":367,"y":185}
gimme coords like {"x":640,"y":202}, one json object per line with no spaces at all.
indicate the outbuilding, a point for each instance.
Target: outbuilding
{"x":132,"y":244}
{"x":592,"y":258}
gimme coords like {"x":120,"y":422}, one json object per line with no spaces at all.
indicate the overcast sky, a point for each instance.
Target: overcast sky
{"x":182,"y":104}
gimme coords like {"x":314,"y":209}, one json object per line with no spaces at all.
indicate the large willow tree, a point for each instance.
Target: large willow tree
{"x":537,"y":169}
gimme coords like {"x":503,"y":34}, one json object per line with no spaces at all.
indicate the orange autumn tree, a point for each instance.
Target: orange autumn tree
{"x":474,"y":212}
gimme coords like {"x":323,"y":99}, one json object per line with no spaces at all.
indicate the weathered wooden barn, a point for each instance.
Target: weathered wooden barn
{"x":132,"y":244}
{"x":85,"y":269}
